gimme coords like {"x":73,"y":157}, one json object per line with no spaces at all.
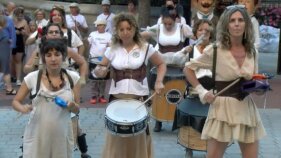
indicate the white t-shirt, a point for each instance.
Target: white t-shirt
{"x":98,"y":42}
{"x":109,"y":20}
{"x":170,"y":38}
{"x":182,"y":20}
{"x":120,"y":59}
{"x":78,"y":18}
{"x":42,"y":23}
{"x":200,"y":72}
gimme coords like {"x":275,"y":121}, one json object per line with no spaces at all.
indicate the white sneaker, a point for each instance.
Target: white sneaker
{"x":18,"y":83}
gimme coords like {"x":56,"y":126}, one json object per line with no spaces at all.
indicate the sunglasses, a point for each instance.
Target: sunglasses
{"x":238,"y":6}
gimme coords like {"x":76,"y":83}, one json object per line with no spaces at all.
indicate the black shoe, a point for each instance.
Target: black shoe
{"x":85,"y":156}
{"x":158,"y":126}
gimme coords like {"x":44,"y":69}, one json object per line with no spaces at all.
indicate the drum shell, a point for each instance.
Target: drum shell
{"x":127,"y":129}
{"x":173,"y":73}
{"x":190,"y":117}
{"x":190,"y":138}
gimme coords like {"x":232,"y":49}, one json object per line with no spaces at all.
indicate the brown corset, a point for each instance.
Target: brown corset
{"x":137,"y":74}
{"x":170,"y":48}
{"x":235,"y":91}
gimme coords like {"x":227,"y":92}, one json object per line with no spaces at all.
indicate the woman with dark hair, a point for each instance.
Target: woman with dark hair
{"x":48,"y":132}
{"x":128,"y":57}
{"x":170,"y":37}
{"x":233,"y":115}
{"x":53,"y":31}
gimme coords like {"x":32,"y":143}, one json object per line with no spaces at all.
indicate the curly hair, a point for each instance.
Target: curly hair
{"x":132,"y":22}
{"x":223,"y":35}
{"x":199,"y":23}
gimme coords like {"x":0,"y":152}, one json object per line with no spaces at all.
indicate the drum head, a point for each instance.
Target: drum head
{"x":126,"y":111}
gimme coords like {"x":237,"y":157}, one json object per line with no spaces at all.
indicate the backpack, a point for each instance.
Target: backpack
{"x":38,"y":83}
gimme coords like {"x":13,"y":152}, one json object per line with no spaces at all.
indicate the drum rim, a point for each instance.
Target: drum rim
{"x":126,"y":123}
{"x":129,"y":99}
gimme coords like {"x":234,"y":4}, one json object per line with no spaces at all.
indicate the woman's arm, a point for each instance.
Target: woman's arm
{"x":29,"y":66}
{"x":83,"y":66}
{"x":74,"y":106}
{"x":161,"y":71}
{"x":20,"y":96}
{"x":31,"y":39}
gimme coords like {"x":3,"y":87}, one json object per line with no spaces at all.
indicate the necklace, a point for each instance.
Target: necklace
{"x":55,"y":88}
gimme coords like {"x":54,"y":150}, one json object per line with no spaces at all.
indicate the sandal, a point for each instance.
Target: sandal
{"x":11,"y":92}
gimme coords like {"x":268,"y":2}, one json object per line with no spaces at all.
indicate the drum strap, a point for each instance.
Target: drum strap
{"x":38,"y":83}
{"x":214,"y":66}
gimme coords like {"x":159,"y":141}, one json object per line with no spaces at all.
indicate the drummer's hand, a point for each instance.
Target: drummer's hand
{"x":209,"y":97}
{"x":204,"y":95}
{"x":82,"y":81}
{"x":188,"y":49}
{"x":158,"y":86}
{"x":26,"y":109}
{"x":72,"y":106}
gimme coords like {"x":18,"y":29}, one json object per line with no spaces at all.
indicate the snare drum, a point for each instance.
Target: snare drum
{"x":164,"y":104}
{"x":126,"y":118}
{"x":191,"y":116}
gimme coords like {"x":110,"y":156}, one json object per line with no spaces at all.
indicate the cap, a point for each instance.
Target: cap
{"x":73,"y":5}
{"x":100,"y":22}
{"x":105,"y":2}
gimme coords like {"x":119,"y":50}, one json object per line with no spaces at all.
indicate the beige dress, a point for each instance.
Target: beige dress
{"x":48,"y":133}
{"x":228,"y":118}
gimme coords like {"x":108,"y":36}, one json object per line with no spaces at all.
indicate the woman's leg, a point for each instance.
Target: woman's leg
{"x":18,"y":64}
{"x":215,"y":149}
{"x":249,"y":150}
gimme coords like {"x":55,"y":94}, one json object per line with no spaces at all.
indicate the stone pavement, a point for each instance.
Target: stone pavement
{"x":165,"y":142}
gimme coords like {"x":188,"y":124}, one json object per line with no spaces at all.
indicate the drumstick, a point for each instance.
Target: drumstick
{"x":147,"y":100}
{"x":227,"y":87}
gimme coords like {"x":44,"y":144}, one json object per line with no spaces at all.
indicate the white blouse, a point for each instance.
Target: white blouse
{"x":121,"y":59}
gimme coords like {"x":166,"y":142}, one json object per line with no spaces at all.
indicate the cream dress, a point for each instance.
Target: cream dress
{"x":48,"y":133}
{"x":228,"y":118}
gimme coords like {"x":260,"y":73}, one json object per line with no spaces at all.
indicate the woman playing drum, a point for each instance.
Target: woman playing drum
{"x":170,"y":37}
{"x":128,"y":56}
{"x":232,"y":115}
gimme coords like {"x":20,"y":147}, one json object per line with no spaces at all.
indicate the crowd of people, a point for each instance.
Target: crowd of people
{"x":48,"y":62}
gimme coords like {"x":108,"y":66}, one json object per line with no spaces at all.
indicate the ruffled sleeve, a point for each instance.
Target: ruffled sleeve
{"x":204,"y":61}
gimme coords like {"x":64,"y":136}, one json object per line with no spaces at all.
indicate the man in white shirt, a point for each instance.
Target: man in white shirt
{"x":76,"y":21}
{"x":107,"y":15}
